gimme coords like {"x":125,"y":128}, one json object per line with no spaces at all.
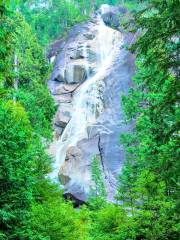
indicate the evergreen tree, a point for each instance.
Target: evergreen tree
{"x":16,"y":167}
{"x":153,"y":102}
{"x":98,"y":192}
{"x":6,"y":46}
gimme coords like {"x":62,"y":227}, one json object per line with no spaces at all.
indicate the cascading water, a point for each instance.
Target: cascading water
{"x":85,"y":54}
{"x":88,"y":99}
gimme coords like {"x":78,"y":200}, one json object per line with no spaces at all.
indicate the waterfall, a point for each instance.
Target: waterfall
{"x":88,"y":98}
{"x":85,"y":54}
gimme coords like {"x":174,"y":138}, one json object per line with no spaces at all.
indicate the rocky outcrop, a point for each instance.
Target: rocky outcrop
{"x":111,"y":15}
{"x":92,"y":122}
{"x":75,"y":73}
{"x":111,"y":19}
{"x":63,"y":116}
{"x":75,"y":201}
{"x":65,"y":89}
{"x":77,"y":60}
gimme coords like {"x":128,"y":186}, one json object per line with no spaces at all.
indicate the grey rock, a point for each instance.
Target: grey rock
{"x":75,"y":74}
{"x":66,"y":89}
{"x":63,"y":98}
{"x":73,"y":153}
{"x":58,"y":131}
{"x":59,"y":78}
{"x":111,"y":15}
{"x":64,"y":179}
{"x":62,"y":117}
{"x":111,"y":19}
{"x":77,"y":191}
{"x":92,"y":56}
{"x":89,"y":36}
{"x":77,"y":54}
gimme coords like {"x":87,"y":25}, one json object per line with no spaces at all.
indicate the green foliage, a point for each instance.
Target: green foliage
{"x":31,"y":73}
{"x":23,"y":165}
{"x":111,"y":222}
{"x":98,"y":192}
{"x":16,"y":167}
{"x":31,"y":207}
{"x":23,"y":122}
{"x":55,"y":219}
{"x":32,"y":65}
{"x":134,"y":5}
{"x":39,"y":106}
{"x":149,"y":181}
{"x":107,"y":220}
{"x":17,"y":40}
{"x":5,"y":46}
{"x":51,"y":19}
{"x":30,"y":52}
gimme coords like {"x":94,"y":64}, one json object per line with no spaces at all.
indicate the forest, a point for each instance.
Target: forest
{"x":146,"y":204}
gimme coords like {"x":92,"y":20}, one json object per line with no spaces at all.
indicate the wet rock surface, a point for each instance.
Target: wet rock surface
{"x":76,"y":64}
{"x":63,"y":116}
{"x":111,"y":15}
{"x":75,"y":73}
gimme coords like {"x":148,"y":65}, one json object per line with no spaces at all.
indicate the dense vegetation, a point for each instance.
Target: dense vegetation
{"x":149,"y":183}
{"x":52,"y":19}
{"x":31,"y":207}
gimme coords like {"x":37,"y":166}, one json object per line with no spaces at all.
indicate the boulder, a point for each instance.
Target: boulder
{"x":73,"y":153}
{"x":89,"y":36}
{"x":70,"y":88}
{"x":58,"y":131}
{"x":63,"y":98}
{"x":62,"y":118}
{"x":73,"y":157}
{"x":66,"y":88}
{"x":91,"y":56}
{"x":75,"y":201}
{"x":111,"y":19}
{"x":64,"y":179}
{"x":122,"y":10}
{"x":79,"y":73}
{"x":110,"y":15}
{"x":77,"y":54}
{"x":77,"y":192}
{"x":59,"y":77}
{"x":75,"y":73}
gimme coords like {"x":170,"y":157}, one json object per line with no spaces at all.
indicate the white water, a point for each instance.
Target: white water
{"x":87,"y":101}
{"x":85,"y":54}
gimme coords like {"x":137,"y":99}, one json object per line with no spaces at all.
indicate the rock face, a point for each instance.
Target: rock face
{"x":63,"y":116}
{"x":111,"y":14}
{"x":91,"y":73}
{"x":75,"y":73}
